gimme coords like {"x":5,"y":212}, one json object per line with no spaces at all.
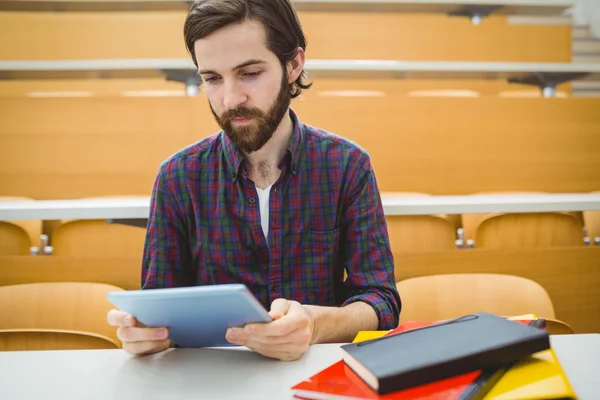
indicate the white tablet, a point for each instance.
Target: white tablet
{"x":196,"y":316}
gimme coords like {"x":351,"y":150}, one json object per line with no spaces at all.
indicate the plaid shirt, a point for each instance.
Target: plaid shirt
{"x":326,"y":216}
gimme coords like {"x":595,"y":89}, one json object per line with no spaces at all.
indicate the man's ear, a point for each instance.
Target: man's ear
{"x":295,"y":65}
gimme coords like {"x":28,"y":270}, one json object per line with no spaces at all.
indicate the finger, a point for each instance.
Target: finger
{"x":279,"y":308}
{"x":143,"y":348}
{"x":255,"y":340}
{"x":274,"y":315}
{"x":294,"y":319}
{"x":120,"y":318}
{"x":133,"y":334}
{"x":236,"y":336}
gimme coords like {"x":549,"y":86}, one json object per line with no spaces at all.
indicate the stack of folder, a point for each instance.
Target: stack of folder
{"x":408,"y":363}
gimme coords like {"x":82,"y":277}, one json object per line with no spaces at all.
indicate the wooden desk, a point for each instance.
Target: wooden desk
{"x":213,"y":373}
{"x":545,"y":75}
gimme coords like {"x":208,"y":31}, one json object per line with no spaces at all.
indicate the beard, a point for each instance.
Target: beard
{"x":253,"y":136}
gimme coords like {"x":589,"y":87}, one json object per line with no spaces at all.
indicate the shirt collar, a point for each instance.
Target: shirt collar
{"x":295,"y":147}
{"x":234,"y":157}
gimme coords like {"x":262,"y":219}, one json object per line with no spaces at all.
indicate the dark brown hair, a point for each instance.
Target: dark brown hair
{"x":282,"y":27}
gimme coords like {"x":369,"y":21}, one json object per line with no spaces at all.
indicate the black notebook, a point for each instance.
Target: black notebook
{"x":450,"y":348}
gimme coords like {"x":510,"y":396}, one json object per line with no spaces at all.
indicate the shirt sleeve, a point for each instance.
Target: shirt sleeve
{"x":166,"y":258}
{"x":368,"y":258}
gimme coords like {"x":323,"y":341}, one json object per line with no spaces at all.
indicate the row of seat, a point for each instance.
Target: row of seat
{"x":407,"y":234}
{"x":72,"y":315}
{"x":490,"y":231}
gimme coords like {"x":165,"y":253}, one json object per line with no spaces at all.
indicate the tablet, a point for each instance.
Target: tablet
{"x":196,"y":316}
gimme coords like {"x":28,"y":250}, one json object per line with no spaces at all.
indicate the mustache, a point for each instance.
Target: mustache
{"x":241,"y":113}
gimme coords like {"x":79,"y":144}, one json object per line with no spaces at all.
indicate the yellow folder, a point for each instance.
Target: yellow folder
{"x":363,"y":336}
{"x":539,"y":377}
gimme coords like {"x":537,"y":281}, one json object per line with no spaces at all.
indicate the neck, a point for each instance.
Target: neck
{"x":270,"y":154}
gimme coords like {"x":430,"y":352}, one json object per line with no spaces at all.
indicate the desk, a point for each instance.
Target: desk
{"x":137,"y":208}
{"x":40,"y":69}
{"x":545,"y":75}
{"x":213,"y":373}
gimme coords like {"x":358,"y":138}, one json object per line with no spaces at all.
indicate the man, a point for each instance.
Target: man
{"x":270,"y":202}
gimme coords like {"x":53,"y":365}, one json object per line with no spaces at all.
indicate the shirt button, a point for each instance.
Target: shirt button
{"x":252,"y":200}
{"x":274,"y":288}
{"x":233,"y":174}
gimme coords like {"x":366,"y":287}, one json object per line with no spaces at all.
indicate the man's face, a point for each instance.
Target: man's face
{"x":246,"y":86}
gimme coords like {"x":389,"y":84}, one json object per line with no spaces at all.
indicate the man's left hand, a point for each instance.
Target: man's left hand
{"x":286,"y":338}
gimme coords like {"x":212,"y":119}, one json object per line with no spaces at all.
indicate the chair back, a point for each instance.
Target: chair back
{"x":56,"y":315}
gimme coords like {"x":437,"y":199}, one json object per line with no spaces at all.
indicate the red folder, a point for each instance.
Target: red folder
{"x":340,"y":382}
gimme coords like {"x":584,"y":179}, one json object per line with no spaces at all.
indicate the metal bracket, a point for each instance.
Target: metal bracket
{"x":547,"y":81}
{"x":189,"y":77}
{"x":476,"y":13}
{"x":136,"y":222}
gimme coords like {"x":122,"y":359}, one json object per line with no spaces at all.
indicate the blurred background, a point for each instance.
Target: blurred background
{"x":458,"y":98}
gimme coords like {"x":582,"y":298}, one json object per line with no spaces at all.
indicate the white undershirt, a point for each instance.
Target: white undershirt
{"x":263,"y":200}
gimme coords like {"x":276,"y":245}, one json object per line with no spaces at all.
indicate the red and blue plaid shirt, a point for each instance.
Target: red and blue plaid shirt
{"x":326,"y":217}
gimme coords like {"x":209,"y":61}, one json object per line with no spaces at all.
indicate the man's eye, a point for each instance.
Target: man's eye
{"x":252,"y":74}
{"x":210,"y":79}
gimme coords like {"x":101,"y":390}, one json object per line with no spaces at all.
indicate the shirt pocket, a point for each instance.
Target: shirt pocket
{"x":320,"y":242}
{"x":320,"y":261}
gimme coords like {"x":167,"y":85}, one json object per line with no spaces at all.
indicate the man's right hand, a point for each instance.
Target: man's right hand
{"x":138,"y":339}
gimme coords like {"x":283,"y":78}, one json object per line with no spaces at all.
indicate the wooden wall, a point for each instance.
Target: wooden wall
{"x":107,"y":143}
{"x":77,"y":147}
{"x":571,"y":276}
{"x":39,"y":36}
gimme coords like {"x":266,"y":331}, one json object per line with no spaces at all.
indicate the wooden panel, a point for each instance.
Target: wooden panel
{"x":28,"y":341}
{"x":90,"y":87}
{"x":410,"y":233}
{"x":40,"y":36}
{"x":123,"y":272}
{"x":431,"y":37}
{"x":65,"y":148}
{"x":459,"y":146}
{"x":91,"y":147}
{"x":71,"y":186}
{"x":29,"y":36}
{"x":96,"y":238}
{"x":90,"y":116}
{"x":571,"y":276}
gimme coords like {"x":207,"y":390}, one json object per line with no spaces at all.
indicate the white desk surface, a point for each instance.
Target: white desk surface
{"x":137,"y":208}
{"x":213,"y":373}
{"x":316,"y":67}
